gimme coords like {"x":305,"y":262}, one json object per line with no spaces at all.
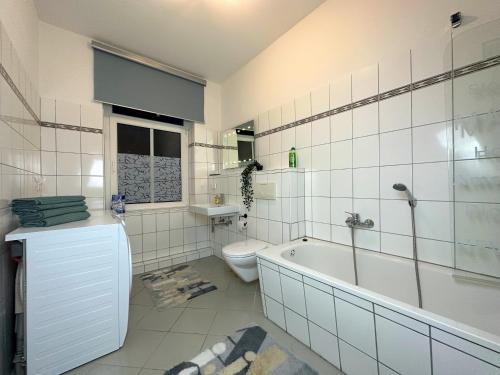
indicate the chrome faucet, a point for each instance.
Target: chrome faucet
{"x":354,"y":221}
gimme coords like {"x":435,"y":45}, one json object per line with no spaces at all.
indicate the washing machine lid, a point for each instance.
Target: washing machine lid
{"x":244,"y":248}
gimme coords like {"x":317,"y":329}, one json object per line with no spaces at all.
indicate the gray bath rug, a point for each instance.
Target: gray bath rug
{"x":175,"y":286}
{"x":249,"y":351}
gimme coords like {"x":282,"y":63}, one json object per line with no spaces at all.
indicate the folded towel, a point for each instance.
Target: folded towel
{"x":33,"y":209}
{"x":22,"y":202}
{"x":55,"y":220}
{"x":40,"y":215}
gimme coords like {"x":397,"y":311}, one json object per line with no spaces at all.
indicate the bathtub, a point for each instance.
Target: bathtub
{"x":307,"y":289}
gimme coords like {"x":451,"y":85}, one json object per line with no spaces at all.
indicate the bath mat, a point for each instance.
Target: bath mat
{"x":249,"y":351}
{"x":176,"y":285}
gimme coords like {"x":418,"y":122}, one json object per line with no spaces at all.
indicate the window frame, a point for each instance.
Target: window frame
{"x":126,"y":120}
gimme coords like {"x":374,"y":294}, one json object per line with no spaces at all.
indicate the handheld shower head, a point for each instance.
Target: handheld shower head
{"x":402,"y":187}
{"x":399,"y":187}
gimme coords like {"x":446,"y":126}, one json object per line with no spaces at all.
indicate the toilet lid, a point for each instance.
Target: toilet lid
{"x":244,"y":248}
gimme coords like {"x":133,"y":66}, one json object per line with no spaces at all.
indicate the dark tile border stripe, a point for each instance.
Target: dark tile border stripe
{"x":36,"y":120}
{"x":70,"y":127}
{"x":18,"y":93}
{"x":18,"y":120}
{"x":471,"y":68}
{"x":219,"y":147}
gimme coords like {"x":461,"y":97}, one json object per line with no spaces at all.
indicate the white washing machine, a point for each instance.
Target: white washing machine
{"x":77,"y":287}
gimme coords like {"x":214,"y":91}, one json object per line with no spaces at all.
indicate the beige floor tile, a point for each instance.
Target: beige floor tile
{"x":219,"y":281}
{"x":257,"y":306}
{"x":137,"y":349}
{"x":151,"y":372}
{"x":163,"y":320}
{"x":194,"y":321}
{"x":228,"y":321}
{"x":137,"y":286}
{"x":97,"y":369}
{"x":237,"y":301}
{"x":238,"y":286}
{"x":175,"y":348}
{"x":234,"y":305}
{"x":210,"y":300}
{"x":142,"y":298}
{"x":136,"y":313}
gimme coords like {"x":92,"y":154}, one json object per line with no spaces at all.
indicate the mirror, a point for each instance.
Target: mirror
{"x":238,"y":146}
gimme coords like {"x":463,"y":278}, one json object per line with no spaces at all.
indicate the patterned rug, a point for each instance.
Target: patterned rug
{"x":174,"y":286}
{"x":249,"y":351}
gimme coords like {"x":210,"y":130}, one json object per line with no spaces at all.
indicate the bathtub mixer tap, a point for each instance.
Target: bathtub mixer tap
{"x":354,"y":221}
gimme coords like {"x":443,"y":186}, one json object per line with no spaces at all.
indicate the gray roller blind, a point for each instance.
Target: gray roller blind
{"x":130,"y":84}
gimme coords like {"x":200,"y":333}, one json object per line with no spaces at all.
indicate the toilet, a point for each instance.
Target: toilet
{"x":240,"y":256}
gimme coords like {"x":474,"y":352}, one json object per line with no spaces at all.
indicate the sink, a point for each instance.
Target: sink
{"x":212,"y":210}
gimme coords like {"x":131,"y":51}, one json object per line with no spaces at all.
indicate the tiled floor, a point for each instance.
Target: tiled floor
{"x":156,"y":340}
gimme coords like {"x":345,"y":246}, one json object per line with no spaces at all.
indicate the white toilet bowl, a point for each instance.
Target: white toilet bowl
{"x":240,"y":256}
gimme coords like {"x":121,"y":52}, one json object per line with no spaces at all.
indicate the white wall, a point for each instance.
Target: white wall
{"x":338,"y":37}
{"x":66,"y":71}
{"x":20,"y":19}
{"x":213,"y":106}
{"x":66,"y":65}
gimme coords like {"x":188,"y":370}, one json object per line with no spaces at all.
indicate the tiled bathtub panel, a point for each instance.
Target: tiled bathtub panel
{"x":448,"y":361}
{"x":477,"y":351}
{"x":275,"y":312}
{"x":271,"y":283}
{"x":402,"y":349}
{"x":325,"y":344}
{"x":356,"y":326}
{"x":403,"y":343}
{"x":355,"y":362}
{"x":384,"y":370}
{"x":262,"y":295}
{"x":320,"y":308}
{"x":293,"y":294}
{"x":403,"y":320}
{"x":296,"y":325}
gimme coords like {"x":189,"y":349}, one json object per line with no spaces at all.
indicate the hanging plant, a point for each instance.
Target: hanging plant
{"x":246,"y":183}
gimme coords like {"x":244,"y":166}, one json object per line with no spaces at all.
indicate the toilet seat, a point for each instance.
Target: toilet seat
{"x":240,"y":256}
{"x":243,"y":249}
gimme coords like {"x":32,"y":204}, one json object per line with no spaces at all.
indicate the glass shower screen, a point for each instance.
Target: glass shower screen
{"x":476,"y":148}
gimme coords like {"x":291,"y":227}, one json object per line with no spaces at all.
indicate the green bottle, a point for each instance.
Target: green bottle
{"x":292,"y":158}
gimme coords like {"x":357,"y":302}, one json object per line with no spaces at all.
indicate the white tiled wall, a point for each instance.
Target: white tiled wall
{"x":351,"y":159}
{"x":203,"y":161}
{"x":73,"y":160}
{"x":275,"y":221}
{"x":20,"y":164}
{"x":160,"y":238}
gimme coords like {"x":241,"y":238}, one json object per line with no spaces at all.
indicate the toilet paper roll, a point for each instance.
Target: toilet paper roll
{"x":242,"y":225}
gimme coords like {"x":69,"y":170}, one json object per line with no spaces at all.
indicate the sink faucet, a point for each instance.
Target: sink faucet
{"x":354,"y":221}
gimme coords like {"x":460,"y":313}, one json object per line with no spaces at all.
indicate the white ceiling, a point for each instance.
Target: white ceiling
{"x":211,"y":38}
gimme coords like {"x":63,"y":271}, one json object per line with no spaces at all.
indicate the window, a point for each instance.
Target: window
{"x":150,"y":165}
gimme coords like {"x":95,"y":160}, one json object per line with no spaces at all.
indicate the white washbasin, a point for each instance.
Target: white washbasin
{"x":212,"y":210}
